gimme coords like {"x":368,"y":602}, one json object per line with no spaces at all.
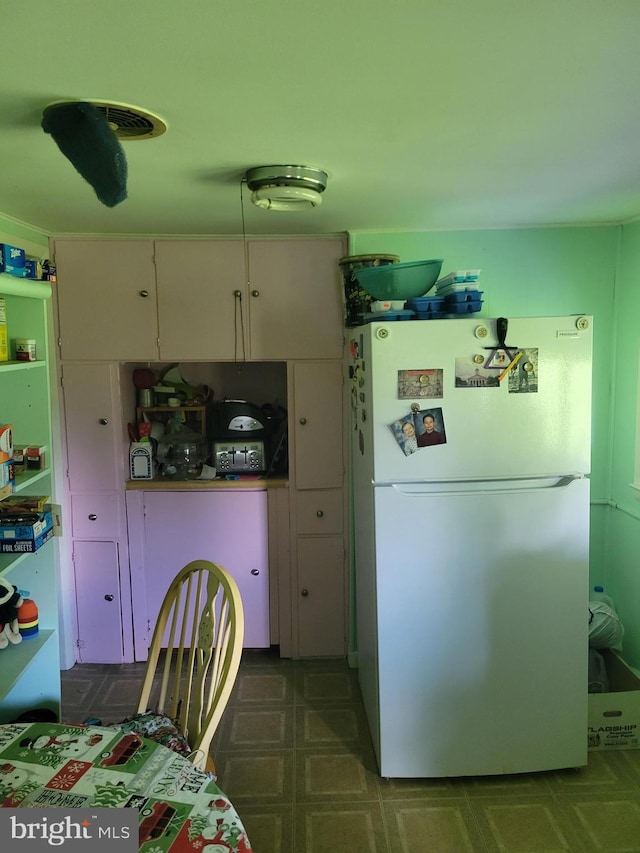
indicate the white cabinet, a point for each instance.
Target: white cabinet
{"x":168,"y":529}
{"x":202,"y":287}
{"x":317,"y":424}
{"x":98,"y":601}
{"x":30,"y":671}
{"x":287,"y":304}
{"x":295,"y":299}
{"x":106,"y":293}
{"x":95,"y":504}
{"x":208,"y":300}
{"x":318,"y":542}
{"x":93,"y":421}
{"x":180,"y":300}
{"x":321,"y":601}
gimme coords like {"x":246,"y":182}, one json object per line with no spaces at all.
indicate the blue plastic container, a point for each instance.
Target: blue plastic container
{"x":405,"y":314}
{"x":463,"y":296}
{"x":469,"y":307}
{"x":429,"y":315}
{"x":426,"y":303}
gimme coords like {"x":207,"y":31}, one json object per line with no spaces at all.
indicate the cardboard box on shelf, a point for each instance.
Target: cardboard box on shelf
{"x":6,"y":442}
{"x":24,"y":532}
{"x":34,"y":456}
{"x":6,"y":491}
{"x":33,"y":268}
{"x":4,"y":337}
{"x":7,"y":473}
{"x":25,"y":546}
{"x":12,"y":260}
{"x":614,"y":717}
{"x":25,"y":503}
{"x":48,"y":271}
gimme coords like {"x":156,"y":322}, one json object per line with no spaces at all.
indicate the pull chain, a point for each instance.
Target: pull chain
{"x":238,"y":316}
{"x":238,"y":324}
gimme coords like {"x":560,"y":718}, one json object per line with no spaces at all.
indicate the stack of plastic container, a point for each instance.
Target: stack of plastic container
{"x":460,"y":293}
{"x":427,"y":307}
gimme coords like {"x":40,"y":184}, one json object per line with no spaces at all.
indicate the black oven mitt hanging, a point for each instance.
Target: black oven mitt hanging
{"x":83,"y":135}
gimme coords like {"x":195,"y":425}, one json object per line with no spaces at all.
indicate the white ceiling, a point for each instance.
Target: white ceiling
{"x":426,"y":114}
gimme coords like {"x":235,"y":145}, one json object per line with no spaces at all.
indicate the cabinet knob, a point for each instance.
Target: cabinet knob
{"x":255,"y":293}
{"x":108,"y":598}
{"x":303,"y":421}
{"x":319,"y":513}
{"x":144,"y":293}
{"x":255,"y":572}
{"x":92,"y":516}
{"x":104,"y":421}
{"x":304,"y":593}
{"x":237,"y":294}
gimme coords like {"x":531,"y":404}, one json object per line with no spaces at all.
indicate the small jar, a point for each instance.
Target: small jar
{"x":25,"y":349}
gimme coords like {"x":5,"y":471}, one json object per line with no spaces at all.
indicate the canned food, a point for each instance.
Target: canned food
{"x":25,"y":349}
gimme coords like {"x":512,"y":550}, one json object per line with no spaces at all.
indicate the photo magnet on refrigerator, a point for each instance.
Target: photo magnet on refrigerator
{"x":419,"y":384}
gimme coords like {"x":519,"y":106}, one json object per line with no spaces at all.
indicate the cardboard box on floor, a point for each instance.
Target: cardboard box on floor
{"x":614,"y":717}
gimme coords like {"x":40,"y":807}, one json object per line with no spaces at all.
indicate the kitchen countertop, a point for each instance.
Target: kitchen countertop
{"x":168,"y":485}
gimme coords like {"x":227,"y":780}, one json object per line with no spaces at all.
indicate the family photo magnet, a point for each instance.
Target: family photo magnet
{"x":424,"y":428}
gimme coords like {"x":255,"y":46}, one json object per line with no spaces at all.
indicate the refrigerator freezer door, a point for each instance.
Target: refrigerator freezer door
{"x":479,"y":651}
{"x":490,"y":431}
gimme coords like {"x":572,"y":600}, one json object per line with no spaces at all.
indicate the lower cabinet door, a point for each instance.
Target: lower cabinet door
{"x":321,"y":596}
{"x":225,"y":527}
{"x":97,"y":578}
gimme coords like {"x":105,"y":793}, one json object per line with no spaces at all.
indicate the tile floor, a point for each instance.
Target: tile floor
{"x":293,"y":753}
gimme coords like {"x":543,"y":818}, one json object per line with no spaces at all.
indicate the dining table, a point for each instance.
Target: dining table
{"x":180,"y":808}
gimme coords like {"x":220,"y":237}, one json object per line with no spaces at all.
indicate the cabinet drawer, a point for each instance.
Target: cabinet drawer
{"x":319,"y":511}
{"x":95,"y":516}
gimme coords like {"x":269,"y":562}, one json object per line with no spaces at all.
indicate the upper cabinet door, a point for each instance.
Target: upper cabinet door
{"x":93,"y":427}
{"x":295,"y":299}
{"x":201,"y":299}
{"x":106,"y":300}
{"x":318,"y":425}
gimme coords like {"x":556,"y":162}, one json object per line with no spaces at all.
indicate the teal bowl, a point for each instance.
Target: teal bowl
{"x":399,"y":281}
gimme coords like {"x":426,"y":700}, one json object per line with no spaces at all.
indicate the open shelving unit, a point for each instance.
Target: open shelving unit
{"x":30,"y":670}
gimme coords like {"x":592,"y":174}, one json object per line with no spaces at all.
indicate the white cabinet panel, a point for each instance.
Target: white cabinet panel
{"x":199,"y":316}
{"x":319,"y":511}
{"x":317,"y":424}
{"x":295,"y":298}
{"x":106,"y":293}
{"x":93,"y":427}
{"x":321,"y":599}
{"x":225,"y":527}
{"x":98,"y":602}
{"x":95,"y":516}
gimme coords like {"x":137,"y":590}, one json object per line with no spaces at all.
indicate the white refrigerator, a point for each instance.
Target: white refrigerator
{"x":471,"y":541}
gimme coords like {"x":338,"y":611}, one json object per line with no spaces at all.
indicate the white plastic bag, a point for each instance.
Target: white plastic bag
{"x":605,"y":627}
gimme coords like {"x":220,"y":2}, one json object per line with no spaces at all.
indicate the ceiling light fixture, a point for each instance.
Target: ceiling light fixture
{"x":286,"y":187}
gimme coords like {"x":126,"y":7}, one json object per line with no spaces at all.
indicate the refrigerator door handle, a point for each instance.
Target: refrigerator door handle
{"x":502,"y":486}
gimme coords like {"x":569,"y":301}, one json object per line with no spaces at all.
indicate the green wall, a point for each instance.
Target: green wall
{"x":541,"y":272}
{"x":623,"y":521}
{"x":17,"y":234}
{"x":532,"y":273}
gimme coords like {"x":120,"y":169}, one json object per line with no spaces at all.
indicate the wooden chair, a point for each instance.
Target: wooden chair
{"x":196,"y":647}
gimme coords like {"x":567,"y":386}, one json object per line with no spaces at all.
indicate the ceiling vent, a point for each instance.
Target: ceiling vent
{"x":286,"y":187}
{"x":127,"y":122}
